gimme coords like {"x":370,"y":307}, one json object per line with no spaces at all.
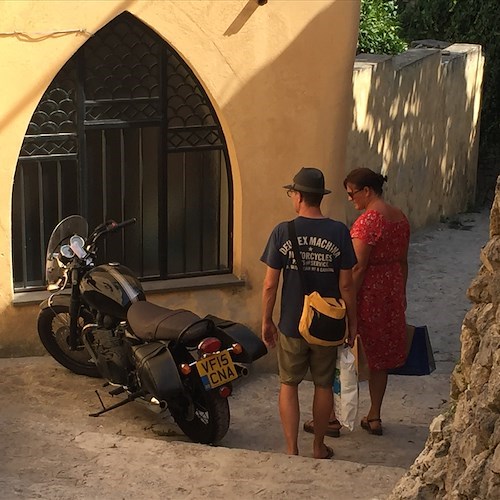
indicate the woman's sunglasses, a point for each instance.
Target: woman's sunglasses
{"x":351,"y":194}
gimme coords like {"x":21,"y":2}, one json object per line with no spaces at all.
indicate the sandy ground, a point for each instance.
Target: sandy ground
{"x":50,"y":448}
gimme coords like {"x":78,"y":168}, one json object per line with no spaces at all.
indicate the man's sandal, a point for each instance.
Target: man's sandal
{"x":333,"y":429}
{"x":329,"y":453}
{"x":375,"y":430}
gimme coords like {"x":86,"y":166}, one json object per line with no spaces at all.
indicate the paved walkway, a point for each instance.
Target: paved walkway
{"x":50,"y":448}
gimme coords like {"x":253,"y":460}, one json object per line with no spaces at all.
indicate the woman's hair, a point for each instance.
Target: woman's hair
{"x":365,"y":177}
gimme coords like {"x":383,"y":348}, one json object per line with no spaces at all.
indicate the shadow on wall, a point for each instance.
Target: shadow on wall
{"x":416,"y":119}
{"x":293,"y":112}
{"x":296,"y":111}
{"x":240,"y":20}
{"x":290,"y":111}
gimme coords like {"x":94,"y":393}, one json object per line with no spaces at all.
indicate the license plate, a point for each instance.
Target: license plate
{"x":216,"y":370}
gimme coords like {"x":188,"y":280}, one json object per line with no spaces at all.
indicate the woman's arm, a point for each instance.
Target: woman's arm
{"x":362,"y":251}
{"x":404,"y":269}
{"x":348,"y":294}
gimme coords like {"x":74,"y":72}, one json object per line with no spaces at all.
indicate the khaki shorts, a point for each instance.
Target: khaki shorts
{"x":295,"y":356}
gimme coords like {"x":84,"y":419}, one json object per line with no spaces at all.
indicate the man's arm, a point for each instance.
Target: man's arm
{"x":348,"y":293}
{"x":269,"y":291}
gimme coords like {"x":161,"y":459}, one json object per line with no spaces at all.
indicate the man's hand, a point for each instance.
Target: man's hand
{"x":269,"y":334}
{"x":350,"y":338}
{"x":269,"y":290}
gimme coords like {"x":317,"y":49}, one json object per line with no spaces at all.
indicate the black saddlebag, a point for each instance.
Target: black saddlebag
{"x":157,"y":370}
{"x":253,"y":347}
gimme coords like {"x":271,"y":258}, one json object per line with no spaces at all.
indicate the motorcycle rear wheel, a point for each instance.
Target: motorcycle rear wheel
{"x":53,"y":330}
{"x":211,"y":415}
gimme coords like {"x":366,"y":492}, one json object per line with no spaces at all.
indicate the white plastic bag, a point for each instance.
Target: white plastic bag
{"x":345,"y":388}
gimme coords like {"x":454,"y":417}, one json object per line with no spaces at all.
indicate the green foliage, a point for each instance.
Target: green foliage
{"x":465,"y":21}
{"x":479,"y":22}
{"x":386,"y":26}
{"x":379,"y":28}
{"x":425,"y":18}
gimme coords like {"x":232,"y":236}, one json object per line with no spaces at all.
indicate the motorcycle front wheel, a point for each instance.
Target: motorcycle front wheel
{"x":53,"y":330}
{"x":207,"y":419}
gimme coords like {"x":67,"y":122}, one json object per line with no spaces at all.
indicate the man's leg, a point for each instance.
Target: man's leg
{"x":322,"y":407}
{"x":290,"y":416}
{"x":333,"y":416}
{"x":322,"y":364}
{"x":292,"y":363}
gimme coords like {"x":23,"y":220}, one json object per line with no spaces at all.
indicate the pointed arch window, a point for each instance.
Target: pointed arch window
{"x":126,"y":130}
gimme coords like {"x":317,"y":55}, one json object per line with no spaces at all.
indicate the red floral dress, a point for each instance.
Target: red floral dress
{"x":381,"y":298}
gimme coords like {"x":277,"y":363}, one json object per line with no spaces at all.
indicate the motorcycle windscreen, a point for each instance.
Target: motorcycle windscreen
{"x":74,"y":224}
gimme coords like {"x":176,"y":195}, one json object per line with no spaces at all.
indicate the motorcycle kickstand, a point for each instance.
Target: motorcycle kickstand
{"x":129,"y":399}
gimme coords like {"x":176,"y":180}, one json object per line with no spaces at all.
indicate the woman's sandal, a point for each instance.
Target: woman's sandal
{"x":333,"y":429}
{"x":377,"y":430}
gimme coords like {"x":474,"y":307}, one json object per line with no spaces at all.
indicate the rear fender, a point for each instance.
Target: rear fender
{"x":231,"y":332}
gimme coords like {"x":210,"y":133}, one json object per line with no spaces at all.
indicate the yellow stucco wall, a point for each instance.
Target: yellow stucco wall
{"x":280,"y":79}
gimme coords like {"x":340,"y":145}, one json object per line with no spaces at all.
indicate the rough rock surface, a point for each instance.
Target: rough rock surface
{"x":461,"y":458}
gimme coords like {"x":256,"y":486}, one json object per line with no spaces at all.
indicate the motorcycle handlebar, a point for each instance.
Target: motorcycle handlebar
{"x":108,"y":227}
{"x":115,"y":226}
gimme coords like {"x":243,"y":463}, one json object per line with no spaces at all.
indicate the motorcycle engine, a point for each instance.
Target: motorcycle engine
{"x":111,"y":356}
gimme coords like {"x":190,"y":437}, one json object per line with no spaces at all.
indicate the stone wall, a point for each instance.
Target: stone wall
{"x":461,"y":459}
{"x":416,"y":119}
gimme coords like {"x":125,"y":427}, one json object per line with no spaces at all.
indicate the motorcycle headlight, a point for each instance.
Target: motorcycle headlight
{"x":65,"y":254}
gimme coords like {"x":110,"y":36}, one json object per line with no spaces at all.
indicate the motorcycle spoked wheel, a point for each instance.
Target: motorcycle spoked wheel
{"x":211,"y":414}
{"x":53,"y":330}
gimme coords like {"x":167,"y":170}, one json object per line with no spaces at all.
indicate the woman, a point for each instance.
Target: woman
{"x":380,"y":237}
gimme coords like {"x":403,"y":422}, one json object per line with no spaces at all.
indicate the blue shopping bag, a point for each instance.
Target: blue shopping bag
{"x":420,"y":359}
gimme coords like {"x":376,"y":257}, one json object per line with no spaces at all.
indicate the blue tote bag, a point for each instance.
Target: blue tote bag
{"x":420,"y":359}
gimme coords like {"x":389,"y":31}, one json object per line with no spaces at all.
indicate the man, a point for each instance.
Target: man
{"x":328,"y":257}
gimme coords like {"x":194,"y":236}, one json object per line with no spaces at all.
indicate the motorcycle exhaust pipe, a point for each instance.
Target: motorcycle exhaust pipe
{"x":162,"y":404}
{"x":241,"y":369}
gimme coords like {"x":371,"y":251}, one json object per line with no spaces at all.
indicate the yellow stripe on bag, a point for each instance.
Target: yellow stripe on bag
{"x":335,"y":308}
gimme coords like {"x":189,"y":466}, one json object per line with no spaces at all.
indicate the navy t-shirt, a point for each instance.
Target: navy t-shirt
{"x":326,"y":248}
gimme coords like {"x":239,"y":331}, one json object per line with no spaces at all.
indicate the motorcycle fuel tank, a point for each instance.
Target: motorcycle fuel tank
{"x":111,"y":289}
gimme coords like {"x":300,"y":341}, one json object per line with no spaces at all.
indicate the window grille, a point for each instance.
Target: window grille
{"x":126,"y":130}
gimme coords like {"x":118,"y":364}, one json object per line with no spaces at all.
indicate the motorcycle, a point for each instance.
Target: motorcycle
{"x":106,"y":328}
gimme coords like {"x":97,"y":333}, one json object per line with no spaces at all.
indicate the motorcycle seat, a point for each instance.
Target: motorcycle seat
{"x":152,"y":322}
